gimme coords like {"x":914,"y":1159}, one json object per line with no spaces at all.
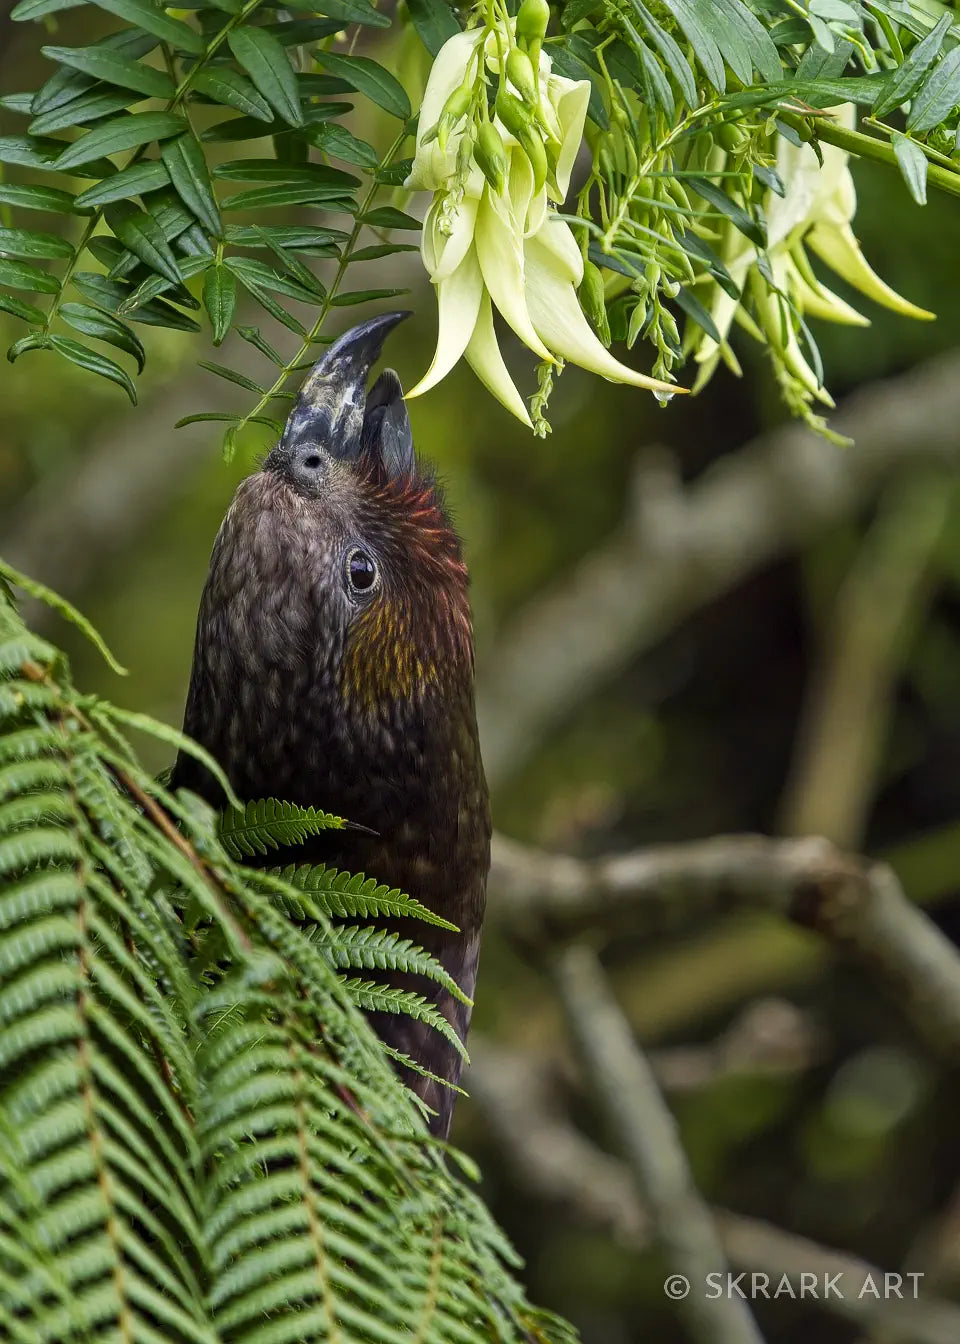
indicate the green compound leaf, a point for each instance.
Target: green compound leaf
{"x":111,"y":294}
{"x":267,"y":64}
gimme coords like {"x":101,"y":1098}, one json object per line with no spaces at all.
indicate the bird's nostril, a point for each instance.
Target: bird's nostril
{"x":312,"y":462}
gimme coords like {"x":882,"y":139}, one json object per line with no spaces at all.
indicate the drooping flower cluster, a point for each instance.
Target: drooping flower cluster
{"x":815,"y":212}
{"x":492,"y":237}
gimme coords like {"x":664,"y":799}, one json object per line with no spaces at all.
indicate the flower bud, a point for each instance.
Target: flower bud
{"x":535,"y":152}
{"x":533,"y":17}
{"x":512,"y":113}
{"x":521,"y":76}
{"x":592,"y":300}
{"x":489,"y":154}
{"x":731,"y":137}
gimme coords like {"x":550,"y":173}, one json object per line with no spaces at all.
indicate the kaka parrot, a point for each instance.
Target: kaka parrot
{"x":333,"y":667}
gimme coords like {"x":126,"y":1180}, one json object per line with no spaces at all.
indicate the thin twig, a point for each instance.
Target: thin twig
{"x":859,"y":907}
{"x":622,"y":1082}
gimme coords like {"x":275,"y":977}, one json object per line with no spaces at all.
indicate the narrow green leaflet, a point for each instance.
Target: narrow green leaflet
{"x":152,"y":19}
{"x":18,"y":308}
{"x":267,"y":64}
{"x":281,"y":194}
{"x":349,"y":11}
{"x":704,"y":45}
{"x":137,"y":180}
{"x":720,"y":201}
{"x":113,"y":68}
{"x":110,"y":294}
{"x":38,"y":9}
{"x":187,"y":166}
{"x":232,"y":89}
{"x":435,"y":22}
{"x":261,"y":276}
{"x":906,"y":79}
{"x":23,"y":243}
{"x":913,"y":166}
{"x":32,"y":197}
{"x":300,"y":237}
{"x":29,"y":151}
{"x":92,"y":322}
{"x":120,"y":134}
{"x":81,"y":111}
{"x":144,"y":237}
{"x":24,"y":275}
{"x":938,"y":96}
{"x":67,"y":83}
{"x":343,"y":144}
{"x":220,"y":300}
{"x":369,"y":78}
{"x":91,"y":360}
{"x":273,"y":170}
{"x":671,"y":53}
{"x":389,"y":217}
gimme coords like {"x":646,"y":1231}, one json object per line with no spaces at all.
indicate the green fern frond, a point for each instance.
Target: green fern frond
{"x":184,"y":1162}
{"x":354,"y":896}
{"x":350,"y":947}
{"x":269,"y":824}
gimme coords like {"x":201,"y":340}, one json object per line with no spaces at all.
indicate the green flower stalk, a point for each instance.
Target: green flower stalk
{"x":492,"y":237}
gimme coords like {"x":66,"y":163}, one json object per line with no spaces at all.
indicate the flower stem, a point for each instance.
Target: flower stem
{"x":866,"y":147}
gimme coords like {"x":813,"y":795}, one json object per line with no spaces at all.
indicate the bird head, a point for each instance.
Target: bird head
{"x":356,"y":564}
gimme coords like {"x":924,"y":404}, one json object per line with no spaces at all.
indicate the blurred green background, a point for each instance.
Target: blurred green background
{"x":847,"y":1134}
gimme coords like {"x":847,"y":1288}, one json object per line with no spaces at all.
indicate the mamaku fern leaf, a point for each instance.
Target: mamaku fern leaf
{"x":269,"y":823}
{"x":187,"y":1159}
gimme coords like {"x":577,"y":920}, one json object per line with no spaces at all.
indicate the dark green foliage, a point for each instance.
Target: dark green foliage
{"x":200,"y":1138}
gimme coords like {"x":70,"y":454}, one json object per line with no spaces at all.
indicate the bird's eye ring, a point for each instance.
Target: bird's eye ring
{"x":361,"y":571}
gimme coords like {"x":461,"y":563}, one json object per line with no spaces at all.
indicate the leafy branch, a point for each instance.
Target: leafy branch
{"x":706,"y":126}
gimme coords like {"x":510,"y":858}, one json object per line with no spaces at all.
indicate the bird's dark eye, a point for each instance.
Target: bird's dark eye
{"x":361,"y":570}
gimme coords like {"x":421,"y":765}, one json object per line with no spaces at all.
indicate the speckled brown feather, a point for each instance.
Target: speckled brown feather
{"x":365,"y":712}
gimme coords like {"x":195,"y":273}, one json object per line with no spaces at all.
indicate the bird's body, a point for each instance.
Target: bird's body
{"x":333,"y":668}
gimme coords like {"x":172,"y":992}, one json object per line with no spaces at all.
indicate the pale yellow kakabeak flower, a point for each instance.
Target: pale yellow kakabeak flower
{"x":505,"y":250}
{"x":816,"y":213}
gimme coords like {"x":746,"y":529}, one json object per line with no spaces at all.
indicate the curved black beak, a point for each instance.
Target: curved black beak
{"x":329,"y":412}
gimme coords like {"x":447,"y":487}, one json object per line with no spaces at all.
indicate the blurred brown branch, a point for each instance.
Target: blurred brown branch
{"x":553,"y":1161}
{"x":859,"y":907}
{"x":879,"y":607}
{"x":627,"y":1095}
{"x":681,"y":547}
